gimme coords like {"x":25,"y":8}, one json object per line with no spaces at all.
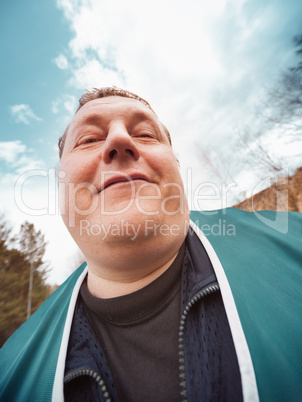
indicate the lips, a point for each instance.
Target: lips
{"x":122,"y":179}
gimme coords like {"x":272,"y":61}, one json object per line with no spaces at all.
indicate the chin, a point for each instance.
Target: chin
{"x":131,"y":225}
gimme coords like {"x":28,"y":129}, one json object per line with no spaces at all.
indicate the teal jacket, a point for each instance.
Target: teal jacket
{"x":257,"y":258}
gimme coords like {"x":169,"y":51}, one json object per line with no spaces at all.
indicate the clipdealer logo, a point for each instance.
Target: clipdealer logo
{"x":151,"y":228}
{"x":52,"y":188}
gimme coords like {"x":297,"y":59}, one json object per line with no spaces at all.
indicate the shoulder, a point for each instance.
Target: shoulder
{"x":34,"y":342}
{"x":52,"y":307}
{"x":253,"y":243}
{"x":233,"y":220}
{"x":260,"y":253}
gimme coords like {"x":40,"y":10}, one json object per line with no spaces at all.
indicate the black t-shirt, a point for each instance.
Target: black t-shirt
{"x":139,"y":336}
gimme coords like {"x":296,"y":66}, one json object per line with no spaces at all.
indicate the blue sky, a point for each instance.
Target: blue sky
{"x":203,"y":66}
{"x":32,"y":34}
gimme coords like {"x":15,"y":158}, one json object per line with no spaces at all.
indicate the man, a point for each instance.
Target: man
{"x":160,"y":312}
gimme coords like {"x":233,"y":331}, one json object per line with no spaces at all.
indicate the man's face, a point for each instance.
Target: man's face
{"x":118,"y":168}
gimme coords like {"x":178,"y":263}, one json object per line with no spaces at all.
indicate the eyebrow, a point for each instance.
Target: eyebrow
{"x":136,"y":117}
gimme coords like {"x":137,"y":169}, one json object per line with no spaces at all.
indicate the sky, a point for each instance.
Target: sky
{"x":204,"y":67}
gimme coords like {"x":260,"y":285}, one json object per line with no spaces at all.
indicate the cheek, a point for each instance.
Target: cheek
{"x":76,"y":189}
{"x":170,"y":167}
{"x":78,"y":170}
{"x":172,"y":188}
{"x":77,"y":201}
{"x":163,"y":160}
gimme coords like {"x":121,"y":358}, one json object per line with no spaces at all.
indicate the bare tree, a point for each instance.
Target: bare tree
{"x":278,"y":116}
{"x":257,"y":155}
{"x":283,"y":105}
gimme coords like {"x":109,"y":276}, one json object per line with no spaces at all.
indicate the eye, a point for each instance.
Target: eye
{"x":90,"y":140}
{"x":145,"y":136}
{"x":87,"y":140}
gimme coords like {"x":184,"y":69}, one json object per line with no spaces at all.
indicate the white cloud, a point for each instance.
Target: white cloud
{"x":27,"y":163}
{"x":18,"y":157}
{"x":213,"y":58}
{"x":55,"y":107}
{"x":61,"y":62}
{"x":69,"y":103}
{"x":23,"y":114}
{"x":140,"y":42}
{"x":93,"y":74}
{"x":10,"y":150}
{"x":66,"y":102}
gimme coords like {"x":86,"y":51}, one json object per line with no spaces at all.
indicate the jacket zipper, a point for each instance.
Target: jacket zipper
{"x":93,"y":374}
{"x":182,"y":376}
{"x":199,"y":295}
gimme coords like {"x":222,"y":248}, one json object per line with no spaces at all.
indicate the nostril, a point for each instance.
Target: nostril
{"x":130,"y":152}
{"x":112,"y":153}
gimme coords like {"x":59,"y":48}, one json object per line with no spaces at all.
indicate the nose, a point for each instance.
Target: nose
{"x":119,"y":145}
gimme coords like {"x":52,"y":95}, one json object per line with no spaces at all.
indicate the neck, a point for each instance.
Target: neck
{"x":119,"y":266}
{"x":125,"y":282}
{"x":116,"y":269}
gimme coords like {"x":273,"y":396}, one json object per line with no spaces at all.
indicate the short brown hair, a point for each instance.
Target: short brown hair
{"x":97,"y":93}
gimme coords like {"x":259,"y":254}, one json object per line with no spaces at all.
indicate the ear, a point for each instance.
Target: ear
{"x":176,"y":157}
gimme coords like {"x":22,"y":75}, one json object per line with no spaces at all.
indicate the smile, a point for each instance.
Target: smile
{"x":122,"y":179}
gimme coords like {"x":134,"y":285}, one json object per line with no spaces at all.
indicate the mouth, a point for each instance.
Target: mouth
{"x":122,"y":179}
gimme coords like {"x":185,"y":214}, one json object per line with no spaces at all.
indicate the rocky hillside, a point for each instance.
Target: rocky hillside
{"x":284,"y":195}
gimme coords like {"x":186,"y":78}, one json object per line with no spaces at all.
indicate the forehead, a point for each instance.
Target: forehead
{"x":112,"y":107}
